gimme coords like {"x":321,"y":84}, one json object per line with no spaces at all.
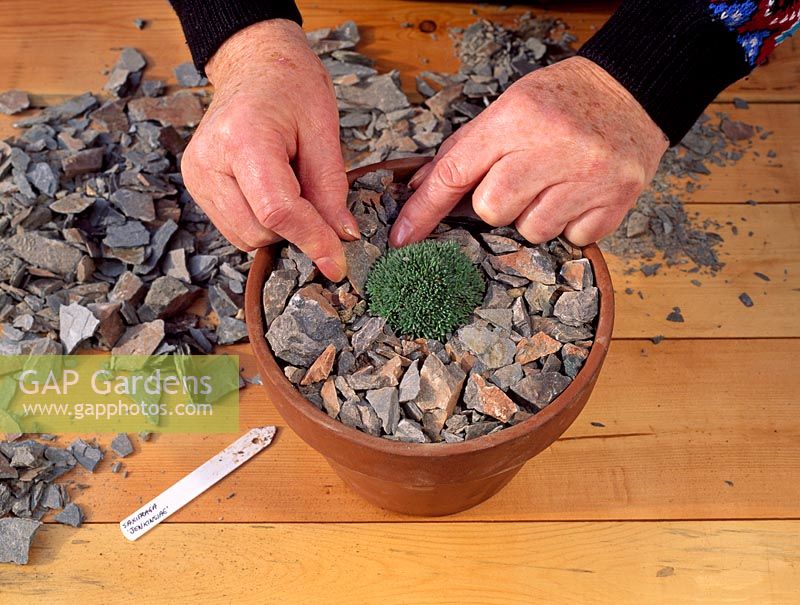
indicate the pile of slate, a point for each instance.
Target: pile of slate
{"x":101,"y":244}
{"x":379,"y":122}
{"x":659,"y":227}
{"x":521,"y":348}
{"x":28,"y":489}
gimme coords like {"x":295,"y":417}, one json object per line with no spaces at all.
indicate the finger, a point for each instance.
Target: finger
{"x":446,"y":146}
{"x":235,"y":212}
{"x":323,"y":182}
{"x":458,"y":171}
{"x":222,"y":223}
{"x":425,"y":170}
{"x":508,"y":188}
{"x":594,"y":225}
{"x":546,"y":217}
{"x":421,"y":174}
{"x":273,"y":193}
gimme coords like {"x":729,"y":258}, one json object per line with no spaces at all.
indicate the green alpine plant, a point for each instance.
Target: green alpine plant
{"x":426,"y":289}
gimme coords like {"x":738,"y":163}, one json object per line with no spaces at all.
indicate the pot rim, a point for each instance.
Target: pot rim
{"x":262,"y":266}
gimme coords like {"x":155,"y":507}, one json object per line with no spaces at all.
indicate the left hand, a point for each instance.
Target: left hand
{"x":566,"y":149}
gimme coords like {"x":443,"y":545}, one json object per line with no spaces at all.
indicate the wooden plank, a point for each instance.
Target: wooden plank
{"x":714,"y":308}
{"x":681,"y":420}
{"x":464,"y":563}
{"x":33,"y":42}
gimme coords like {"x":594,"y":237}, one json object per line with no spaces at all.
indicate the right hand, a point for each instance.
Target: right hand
{"x":265,"y":161}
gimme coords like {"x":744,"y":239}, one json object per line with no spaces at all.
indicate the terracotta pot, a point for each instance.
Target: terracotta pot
{"x":424,"y":479}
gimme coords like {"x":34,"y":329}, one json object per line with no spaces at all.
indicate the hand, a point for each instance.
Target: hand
{"x":566,"y":149}
{"x":273,"y":108}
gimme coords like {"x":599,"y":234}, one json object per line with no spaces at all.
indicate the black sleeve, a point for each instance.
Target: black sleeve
{"x":208,"y":23}
{"x":673,"y":57}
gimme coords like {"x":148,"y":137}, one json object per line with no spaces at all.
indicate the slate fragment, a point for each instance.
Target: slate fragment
{"x":14,"y":101}
{"x":111,"y":116}
{"x":52,"y":497}
{"x":166,"y":296}
{"x":577,"y":274}
{"x":367,"y":335}
{"x":134,"y":204}
{"x":386,"y":405}
{"x":73,"y":203}
{"x":111,"y":327}
{"x":142,"y":339}
{"x":573,"y":358}
{"x":360,"y":256}
{"x":187,"y":75}
{"x":440,"y":388}
{"x":130,"y":234}
{"x":540,"y":389}
{"x":77,"y":323}
{"x":82,"y":162}
{"x":507,"y":376}
{"x":330,"y":399}
{"x":179,"y":109}
{"x":410,"y":431}
{"x":87,"y":455}
{"x":121,"y":444}
{"x":675,"y":315}
{"x":158,"y":244}
{"x":381,"y":92}
{"x":221,"y":303}
{"x":322,"y":366}
{"x":50,"y":254}
{"x":534,"y":348}
{"x":42,"y":177}
{"x":71,"y":515}
{"x":410,"y":383}
{"x":277,"y":289}
{"x":501,"y":318}
{"x":16,"y":536}
{"x":577,"y":308}
{"x":128,"y":288}
{"x":493,"y":348}
{"x":489,"y":399}
{"x":531,"y":263}
{"x":307,"y":325}
{"x":174,"y":265}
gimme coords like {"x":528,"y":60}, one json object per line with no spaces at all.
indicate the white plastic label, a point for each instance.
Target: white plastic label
{"x":196,"y":482}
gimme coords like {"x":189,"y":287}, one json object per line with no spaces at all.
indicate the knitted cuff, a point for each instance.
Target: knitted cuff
{"x":208,"y":23}
{"x":671,"y":56}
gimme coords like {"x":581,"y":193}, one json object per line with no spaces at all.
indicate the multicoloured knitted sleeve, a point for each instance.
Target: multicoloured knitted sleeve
{"x":676,"y":57}
{"x":759,"y":26}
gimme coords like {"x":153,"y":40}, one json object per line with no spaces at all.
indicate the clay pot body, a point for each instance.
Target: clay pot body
{"x":413,"y":478}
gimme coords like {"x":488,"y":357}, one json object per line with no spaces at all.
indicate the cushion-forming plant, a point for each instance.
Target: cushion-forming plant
{"x":427,"y":289}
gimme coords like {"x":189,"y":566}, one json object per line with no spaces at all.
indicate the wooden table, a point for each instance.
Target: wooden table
{"x":690,"y":492}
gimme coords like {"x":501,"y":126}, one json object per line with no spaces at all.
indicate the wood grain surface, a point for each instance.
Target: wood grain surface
{"x":679,"y":483}
{"x":449,"y":563}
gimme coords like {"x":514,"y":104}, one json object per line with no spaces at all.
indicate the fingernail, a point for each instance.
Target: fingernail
{"x":401,"y":233}
{"x":332,"y":269}
{"x":349,"y":230}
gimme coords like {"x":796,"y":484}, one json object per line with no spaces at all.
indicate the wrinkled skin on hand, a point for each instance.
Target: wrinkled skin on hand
{"x":566,"y":149}
{"x":265,"y":162}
